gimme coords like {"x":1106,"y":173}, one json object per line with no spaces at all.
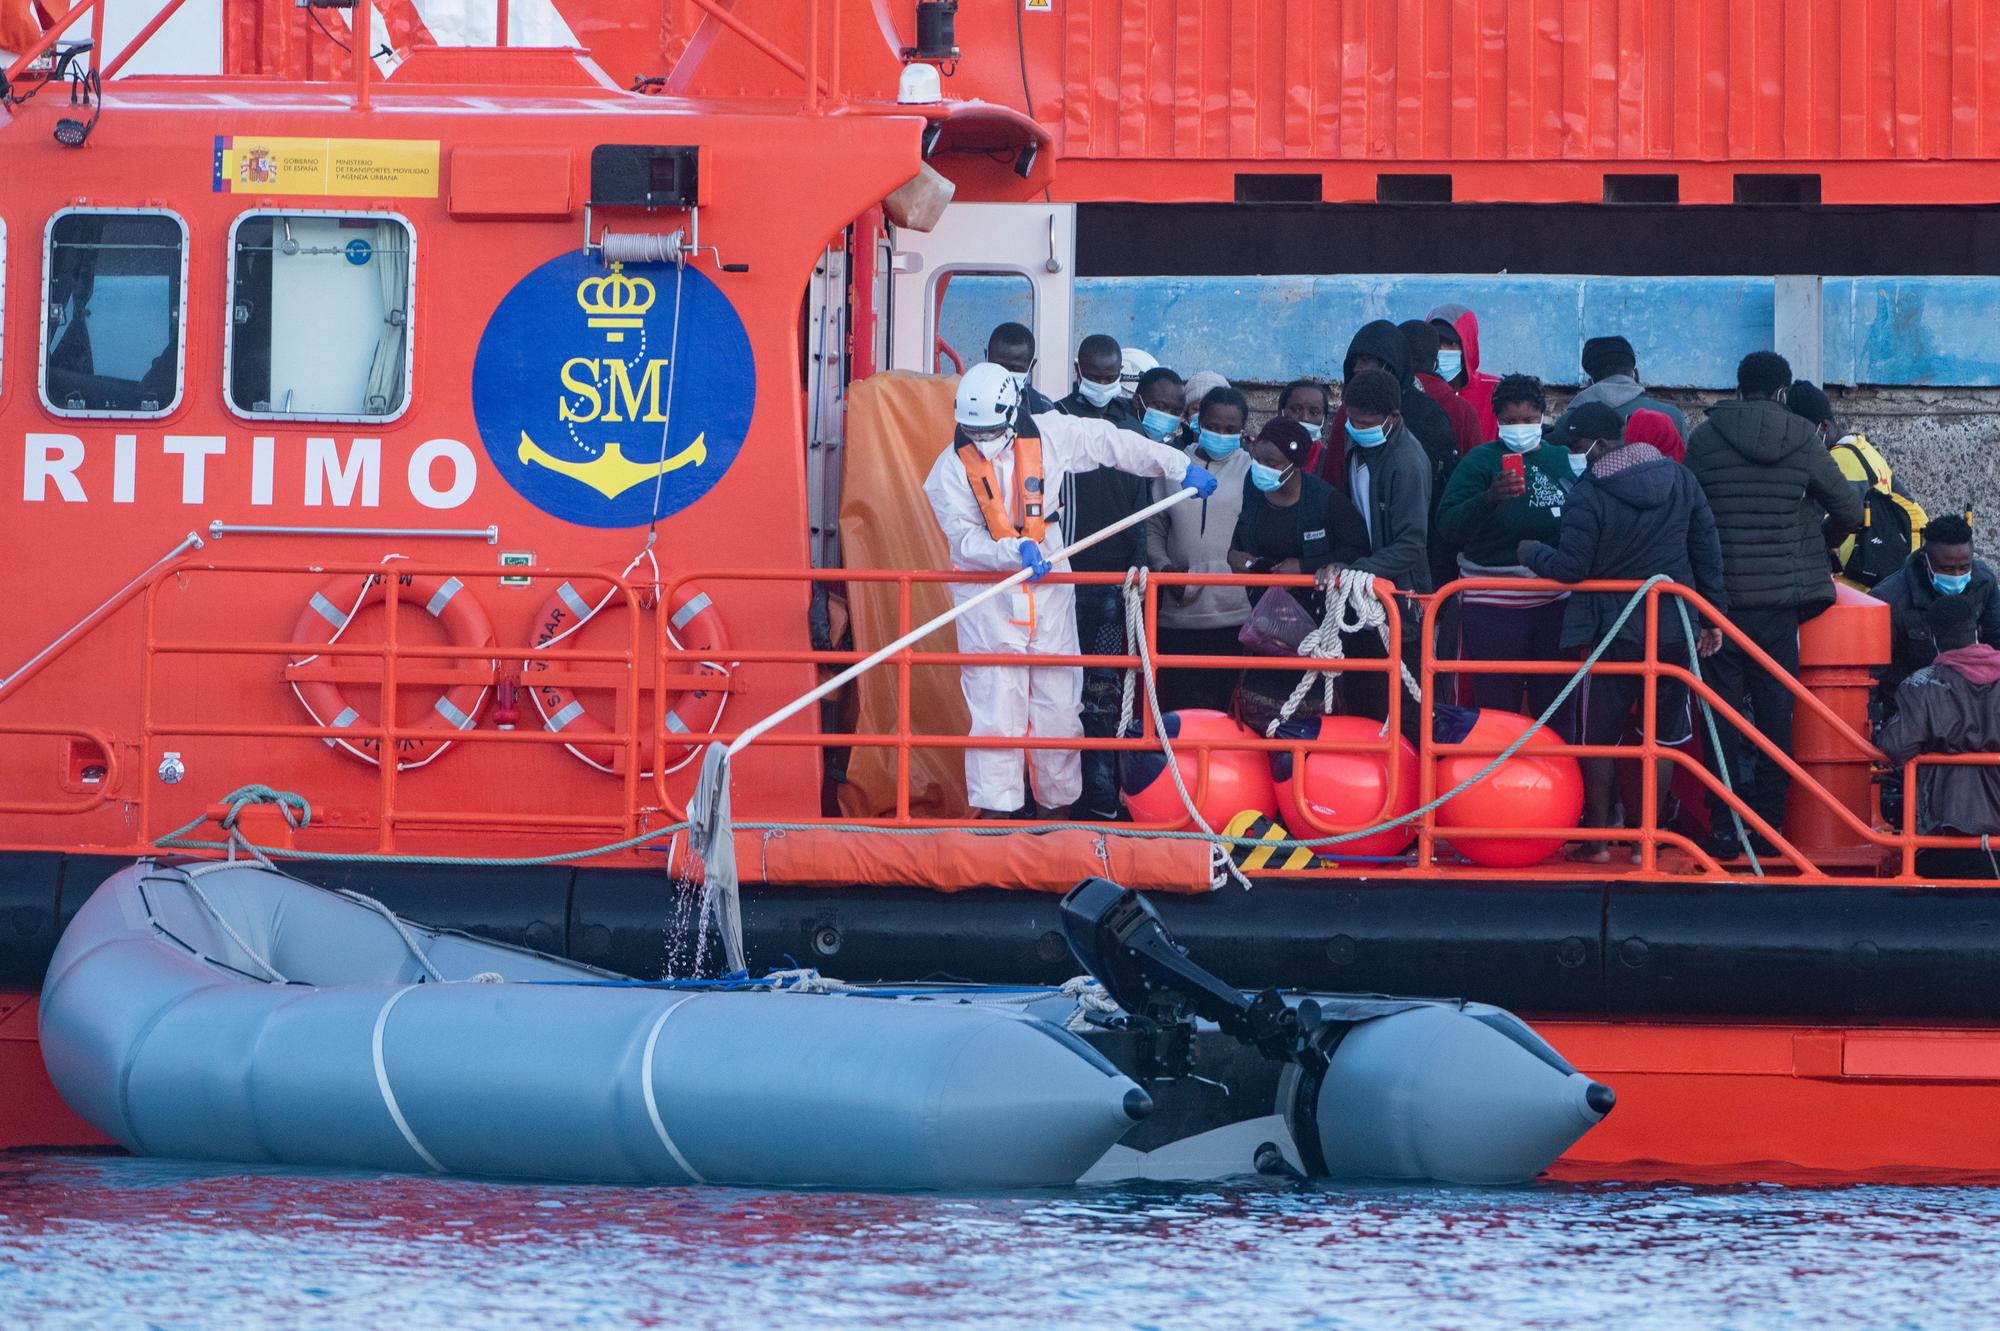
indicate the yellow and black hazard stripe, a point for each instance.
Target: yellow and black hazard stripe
{"x":1255,"y":825}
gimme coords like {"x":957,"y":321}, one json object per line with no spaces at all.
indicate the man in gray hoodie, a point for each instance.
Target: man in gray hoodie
{"x":1613,"y":370}
{"x":1770,"y":482}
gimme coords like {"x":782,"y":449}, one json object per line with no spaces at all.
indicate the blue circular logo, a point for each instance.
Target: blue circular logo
{"x":359,"y":252}
{"x":611,"y":396}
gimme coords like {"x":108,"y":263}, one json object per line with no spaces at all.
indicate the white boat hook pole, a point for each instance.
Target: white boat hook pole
{"x":708,"y":812}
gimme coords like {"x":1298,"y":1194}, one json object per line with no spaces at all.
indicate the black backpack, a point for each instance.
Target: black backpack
{"x":1889,"y":527}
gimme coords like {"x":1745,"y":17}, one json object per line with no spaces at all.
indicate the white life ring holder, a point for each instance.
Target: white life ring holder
{"x":693,"y":624}
{"x":324,"y":619}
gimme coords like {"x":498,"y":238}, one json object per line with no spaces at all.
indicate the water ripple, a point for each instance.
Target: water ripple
{"x":108,"y":1243}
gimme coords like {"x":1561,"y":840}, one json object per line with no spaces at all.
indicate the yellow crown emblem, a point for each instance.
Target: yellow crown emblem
{"x":615,"y":302}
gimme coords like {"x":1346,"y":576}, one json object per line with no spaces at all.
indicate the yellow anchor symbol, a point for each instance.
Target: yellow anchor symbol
{"x":613,"y":474}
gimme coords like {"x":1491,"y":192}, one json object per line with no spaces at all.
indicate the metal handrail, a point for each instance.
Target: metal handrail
{"x":385,"y":664}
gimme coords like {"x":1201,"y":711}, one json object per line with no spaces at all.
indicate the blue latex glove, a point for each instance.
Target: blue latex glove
{"x":1031,"y":557}
{"x":1200,"y":480}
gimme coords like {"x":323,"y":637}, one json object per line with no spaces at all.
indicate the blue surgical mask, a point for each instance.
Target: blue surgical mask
{"x":1159,"y":424}
{"x":1372,"y":437}
{"x":1950,"y":584}
{"x":1219,"y":445}
{"x":1450,"y":362}
{"x":1313,"y":432}
{"x":1521,"y":438}
{"x":1266,"y":478}
{"x":1579,"y":463}
{"x":1096,"y":394}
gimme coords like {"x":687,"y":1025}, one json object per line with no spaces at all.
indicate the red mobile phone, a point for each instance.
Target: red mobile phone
{"x":1513,"y":465}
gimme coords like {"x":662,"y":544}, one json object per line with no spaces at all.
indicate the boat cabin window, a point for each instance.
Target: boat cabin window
{"x":319,"y":316}
{"x":970,"y":303}
{"x":115,"y":304}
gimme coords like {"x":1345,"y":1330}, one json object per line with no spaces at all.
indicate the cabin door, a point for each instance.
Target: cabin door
{"x":984,"y":264}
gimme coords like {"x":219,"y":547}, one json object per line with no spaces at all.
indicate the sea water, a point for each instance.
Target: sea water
{"x":111,"y":1242}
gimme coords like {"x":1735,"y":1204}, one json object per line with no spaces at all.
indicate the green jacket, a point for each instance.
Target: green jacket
{"x":1489,"y":533}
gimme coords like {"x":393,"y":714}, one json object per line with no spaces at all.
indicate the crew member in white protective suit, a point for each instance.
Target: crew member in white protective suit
{"x":988,"y":491}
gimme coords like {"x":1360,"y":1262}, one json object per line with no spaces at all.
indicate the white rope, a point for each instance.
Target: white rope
{"x":1094,"y":1007}
{"x":191,"y":875}
{"x":1351,"y":607}
{"x":1221,"y":863}
{"x":402,"y":932}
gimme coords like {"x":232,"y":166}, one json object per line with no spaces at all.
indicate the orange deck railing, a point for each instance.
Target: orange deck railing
{"x":643,"y":804}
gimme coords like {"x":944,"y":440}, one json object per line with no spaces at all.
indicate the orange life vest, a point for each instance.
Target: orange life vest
{"x":1023,"y":518}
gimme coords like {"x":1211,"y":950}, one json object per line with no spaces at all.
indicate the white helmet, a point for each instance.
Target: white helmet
{"x":987,"y":397}
{"x":1136,"y":363}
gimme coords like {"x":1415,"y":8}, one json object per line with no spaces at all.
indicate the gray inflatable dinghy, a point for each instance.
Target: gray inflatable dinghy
{"x":231,"y":1012}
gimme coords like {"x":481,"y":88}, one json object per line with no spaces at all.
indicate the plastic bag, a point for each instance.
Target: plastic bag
{"x":1277,"y":625}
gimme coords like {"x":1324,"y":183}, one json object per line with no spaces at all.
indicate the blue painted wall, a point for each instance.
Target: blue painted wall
{"x":1689,"y":331}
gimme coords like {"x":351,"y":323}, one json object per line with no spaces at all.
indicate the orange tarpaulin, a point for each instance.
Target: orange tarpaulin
{"x":897,"y":424}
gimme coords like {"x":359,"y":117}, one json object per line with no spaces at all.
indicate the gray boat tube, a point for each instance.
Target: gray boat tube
{"x":229,"y":1012}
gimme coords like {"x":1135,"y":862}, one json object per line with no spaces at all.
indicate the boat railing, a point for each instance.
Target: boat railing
{"x":818,"y":68}
{"x":648,"y":664}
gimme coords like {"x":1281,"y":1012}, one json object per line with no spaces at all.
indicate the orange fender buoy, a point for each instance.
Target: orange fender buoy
{"x":1345,"y":790}
{"x":1238,"y":779}
{"x":1538,"y":787}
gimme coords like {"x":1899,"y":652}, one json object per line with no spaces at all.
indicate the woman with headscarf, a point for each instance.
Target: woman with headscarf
{"x":1656,"y":428}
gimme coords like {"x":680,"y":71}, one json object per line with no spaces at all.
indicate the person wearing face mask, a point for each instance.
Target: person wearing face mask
{"x":1779,"y":503}
{"x":988,"y":490}
{"x":1012,"y":347}
{"x":1421,"y":337}
{"x":1458,"y":362}
{"x":1387,"y":476}
{"x":1632,"y":514}
{"x":1159,"y":404}
{"x":1292,"y":522}
{"x":1943,"y":566}
{"x":1092,"y":500}
{"x":1506,"y":491}
{"x":1195,"y":538}
{"x":1307,"y":402}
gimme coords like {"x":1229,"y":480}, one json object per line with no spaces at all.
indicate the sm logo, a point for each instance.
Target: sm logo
{"x":611,"y":397}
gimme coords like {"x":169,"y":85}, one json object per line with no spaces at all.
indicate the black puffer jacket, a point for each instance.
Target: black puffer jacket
{"x":1631,"y":516}
{"x":1909,"y":593}
{"x":1423,"y":418}
{"x":1769,"y":480}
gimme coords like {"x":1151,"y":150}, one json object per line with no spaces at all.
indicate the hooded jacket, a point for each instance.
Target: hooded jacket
{"x":1768,"y":479}
{"x":1422,"y":417}
{"x":1624,"y":395}
{"x":1632,"y":515}
{"x":1951,"y":706}
{"x":1909,"y":593}
{"x":1477,"y":390}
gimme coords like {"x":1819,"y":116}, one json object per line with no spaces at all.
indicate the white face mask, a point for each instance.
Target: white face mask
{"x":1579,"y":463}
{"x":1521,"y":438}
{"x":1020,"y":383}
{"x":994,"y":447}
{"x":1096,"y":394}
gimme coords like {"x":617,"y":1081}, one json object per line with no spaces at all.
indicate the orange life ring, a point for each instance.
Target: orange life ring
{"x":325,"y":618}
{"x":693,"y":624}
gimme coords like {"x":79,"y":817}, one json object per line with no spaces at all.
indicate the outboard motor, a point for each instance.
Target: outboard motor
{"x":1374,"y":1087}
